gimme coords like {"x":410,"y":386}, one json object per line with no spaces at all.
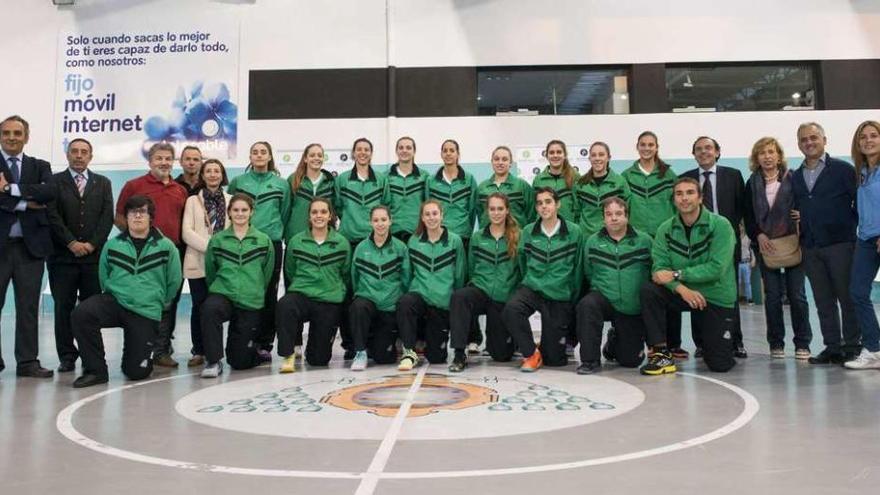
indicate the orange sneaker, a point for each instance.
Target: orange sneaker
{"x":533,"y":362}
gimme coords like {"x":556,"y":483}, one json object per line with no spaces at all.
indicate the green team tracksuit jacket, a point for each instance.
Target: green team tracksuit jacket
{"x":141,"y":283}
{"x":703,"y":260}
{"x":298,"y":220}
{"x":318,"y":271}
{"x":459,"y":200}
{"x":271,"y":195}
{"x":240,"y":269}
{"x":617,"y":269}
{"x":551,"y":266}
{"x":518,"y":191}
{"x":380,"y":274}
{"x":437,"y":268}
{"x":354,"y":200}
{"x":650,"y":202}
{"x":407,"y":194}
{"x":567,"y":199}
{"x":590,"y":197}
{"x":490,"y":268}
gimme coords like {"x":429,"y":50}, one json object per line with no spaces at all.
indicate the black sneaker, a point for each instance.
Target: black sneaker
{"x":659,"y":363}
{"x":608,"y":348}
{"x":828,"y":356}
{"x":739,"y":352}
{"x":88,"y":380}
{"x":589,"y":367}
{"x":349,"y":354}
{"x":698,"y":352}
{"x":459,"y":363}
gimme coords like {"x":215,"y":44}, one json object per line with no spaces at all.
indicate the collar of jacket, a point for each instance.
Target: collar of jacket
{"x":153,"y":236}
{"x":444,"y":237}
{"x":415,"y":170}
{"x":563,"y":229}
{"x":371,"y":176}
{"x":458,"y":176}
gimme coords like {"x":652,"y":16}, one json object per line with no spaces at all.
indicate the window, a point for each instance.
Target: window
{"x":551,"y":91}
{"x":738,"y":88}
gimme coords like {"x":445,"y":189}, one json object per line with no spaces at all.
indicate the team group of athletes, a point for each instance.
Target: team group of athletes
{"x":393,"y":262}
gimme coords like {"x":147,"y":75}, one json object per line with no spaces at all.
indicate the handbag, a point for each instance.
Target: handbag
{"x":786,"y":252}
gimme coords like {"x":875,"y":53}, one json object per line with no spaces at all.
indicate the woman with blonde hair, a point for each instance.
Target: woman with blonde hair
{"x":769,"y":201}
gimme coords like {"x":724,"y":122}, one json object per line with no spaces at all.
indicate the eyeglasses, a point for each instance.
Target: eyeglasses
{"x":142,"y":212}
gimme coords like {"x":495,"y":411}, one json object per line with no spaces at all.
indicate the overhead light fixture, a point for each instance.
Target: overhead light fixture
{"x":687,"y":81}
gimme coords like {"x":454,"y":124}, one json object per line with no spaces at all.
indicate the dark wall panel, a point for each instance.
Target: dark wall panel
{"x":435,"y":91}
{"x":850,"y":84}
{"x":318,"y":94}
{"x":648,"y":89}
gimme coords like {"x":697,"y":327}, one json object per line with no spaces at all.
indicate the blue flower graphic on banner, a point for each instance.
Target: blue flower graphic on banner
{"x":202,"y":114}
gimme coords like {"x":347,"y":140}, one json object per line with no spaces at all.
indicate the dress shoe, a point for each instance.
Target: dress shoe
{"x":589,"y":367}
{"x":740,"y":352}
{"x":828,"y":356}
{"x":165,"y":361}
{"x":196,"y":360}
{"x":88,"y":380}
{"x":35,"y":372}
{"x":66,"y":365}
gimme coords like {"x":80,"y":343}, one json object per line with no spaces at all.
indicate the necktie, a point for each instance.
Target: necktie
{"x":80,"y":183}
{"x":708,"y":194}
{"x":13,"y":167}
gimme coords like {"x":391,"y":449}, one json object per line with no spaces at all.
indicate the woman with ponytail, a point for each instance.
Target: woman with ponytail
{"x":494,"y":274}
{"x":561,"y":177}
{"x":597,"y":185}
{"x":519,"y":193}
{"x":307,"y":182}
{"x":650,"y":182}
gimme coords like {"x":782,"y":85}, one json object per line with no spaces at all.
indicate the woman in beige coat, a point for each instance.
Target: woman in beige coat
{"x":204,"y":215}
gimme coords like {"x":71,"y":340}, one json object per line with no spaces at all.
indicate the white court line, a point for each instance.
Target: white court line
{"x":380,"y":459}
{"x":64,"y":423}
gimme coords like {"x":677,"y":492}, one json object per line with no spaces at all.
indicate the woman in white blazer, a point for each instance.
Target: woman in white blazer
{"x":204,"y":215}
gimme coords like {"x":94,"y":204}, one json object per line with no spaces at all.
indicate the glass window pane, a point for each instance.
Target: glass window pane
{"x":528,"y":91}
{"x":740,"y":88}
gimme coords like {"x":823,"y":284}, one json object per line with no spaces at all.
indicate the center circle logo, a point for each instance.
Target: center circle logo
{"x":335,"y":404}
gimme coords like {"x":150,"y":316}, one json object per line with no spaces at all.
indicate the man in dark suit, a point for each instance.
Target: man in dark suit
{"x":81,"y":218}
{"x":25,"y":241}
{"x":723,"y":191}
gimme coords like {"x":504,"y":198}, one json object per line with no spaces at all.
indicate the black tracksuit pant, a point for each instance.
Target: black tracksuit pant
{"x":293,"y":310}
{"x":372,"y":330}
{"x":139,"y":332}
{"x":715,"y":324}
{"x":165,"y":334}
{"x":267,"y":329}
{"x":628,"y":340}
{"x":414,"y":313}
{"x":466,"y":304}
{"x":241,"y":347}
{"x":556,"y":317}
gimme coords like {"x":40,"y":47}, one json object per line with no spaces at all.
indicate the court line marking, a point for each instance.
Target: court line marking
{"x":380,"y":459}
{"x":64,"y":423}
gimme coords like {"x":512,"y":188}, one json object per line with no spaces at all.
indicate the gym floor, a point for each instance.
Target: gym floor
{"x":766,"y":426}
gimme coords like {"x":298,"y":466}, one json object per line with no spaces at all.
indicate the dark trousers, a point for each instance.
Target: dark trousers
{"x":828,"y":269}
{"x":241,"y":349}
{"x":162,"y":346}
{"x":266,"y":333}
{"x":789,"y":281}
{"x":198,"y":292}
{"x":372,"y":330}
{"x":413,"y":314}
{"x":139,"y":332}
{"x":295,"y":309}
{"x":556,"y":317}
{"x":26,"y":274}
{"x":628,"y":344}
{"x":69,"y":282}
{"x":466,"y":304}
{"x":715,"y":324}
{"x":866,"y":262}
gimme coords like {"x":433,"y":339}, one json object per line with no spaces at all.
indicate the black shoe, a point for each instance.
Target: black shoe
{"x":2,"y":366}
{"x":698,"y":352}
{"x":828,"y":357}
{"x":35,"y":372}
{"x":608,"y":348}
{"x":459,"y":363}
{"x":349,"y":354}
{"x":66,"y":365}
{"x":740,"y":352}
{"x":87,"y":380}
{"x":589,"y":367}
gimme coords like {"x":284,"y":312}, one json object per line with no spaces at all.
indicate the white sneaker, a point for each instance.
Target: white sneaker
{"x":867,"y":360}
{"x":298,"y":351}
{"x":212,"y":370}
{"x":359,"y":363}
{"x":473,"y":348}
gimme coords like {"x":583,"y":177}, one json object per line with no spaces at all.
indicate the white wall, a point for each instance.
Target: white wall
{"x":296,"y":34}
